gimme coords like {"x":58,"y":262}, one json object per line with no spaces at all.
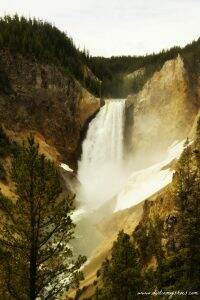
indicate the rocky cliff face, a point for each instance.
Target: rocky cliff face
{"x":44,"y":100}
{"x":162,"y":112}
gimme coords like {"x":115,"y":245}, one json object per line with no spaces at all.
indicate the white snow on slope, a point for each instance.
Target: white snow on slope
{"x":66,"y":167}
{"x":144,"y":183}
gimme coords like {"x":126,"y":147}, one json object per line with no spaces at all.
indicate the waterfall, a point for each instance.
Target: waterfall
{"x":100,"y":170}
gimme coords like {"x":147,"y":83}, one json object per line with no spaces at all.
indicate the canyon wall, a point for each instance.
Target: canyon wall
{"x":47,"y":101}
{"x":162,"y":112}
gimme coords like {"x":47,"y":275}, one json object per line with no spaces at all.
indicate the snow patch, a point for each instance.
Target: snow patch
{"x":66,"y":167}
{"x":144,"y":183}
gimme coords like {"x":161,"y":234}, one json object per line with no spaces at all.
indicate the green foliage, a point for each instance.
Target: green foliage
{"x":43,"y":42}
{"x":2,"y":172}
{"x":7,"y":147}
{"x":149,"y":280}
{"x":181,"y":270}
{"x":112,"y":71}
{"x":148,"y":238}
{"x":5,"y":86}
{"x":79,"y":292}
{"x":188,"y":201}
{"x":121,"y":275}
{"x":4,"y":144}
{"x":36,"y":230}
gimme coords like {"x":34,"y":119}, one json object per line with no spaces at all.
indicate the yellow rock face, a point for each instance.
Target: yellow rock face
{"x":87,"y":106}
{"x":163,"y":110}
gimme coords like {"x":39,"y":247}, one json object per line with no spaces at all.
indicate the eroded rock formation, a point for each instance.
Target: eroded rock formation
{"x":163,"y":111}
{"x":45,"y":100}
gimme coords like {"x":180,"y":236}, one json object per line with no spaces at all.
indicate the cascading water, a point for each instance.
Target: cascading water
{"x":104,"y":175}
{"x":100,"y":170}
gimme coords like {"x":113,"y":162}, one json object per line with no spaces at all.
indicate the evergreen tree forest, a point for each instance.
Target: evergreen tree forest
{"x":182,"y":270}
{"x":113,"y":71}
{"x":120,"y":275}
{"x":42,"y":42}
{"x":36,"y":260}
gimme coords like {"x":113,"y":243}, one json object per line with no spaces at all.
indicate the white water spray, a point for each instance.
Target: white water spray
{"x":100,"y":170}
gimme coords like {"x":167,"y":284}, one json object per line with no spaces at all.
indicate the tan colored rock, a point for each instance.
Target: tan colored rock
{"x":47,"y":101}
{"x":163,"y":111}
{"x":87,"y":106}
{"x":135,"y":74}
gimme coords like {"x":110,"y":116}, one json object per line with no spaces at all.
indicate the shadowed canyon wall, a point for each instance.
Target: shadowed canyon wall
{"x":42,"y":98}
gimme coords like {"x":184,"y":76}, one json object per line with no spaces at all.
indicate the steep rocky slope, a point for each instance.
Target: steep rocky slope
{"x":108,"y":227}
{"x":129,"y":220}
{"x":43,"y":99}
{"x":162,"y":112}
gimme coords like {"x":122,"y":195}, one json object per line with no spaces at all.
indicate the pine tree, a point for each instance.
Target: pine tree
{"x":36,"y":228}
{"x":181,"y":270}
{"x":120,"y":275}
{"x":188,"y":202}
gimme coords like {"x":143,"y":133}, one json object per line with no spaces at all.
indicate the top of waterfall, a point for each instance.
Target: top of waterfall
{"x":115,"y":99}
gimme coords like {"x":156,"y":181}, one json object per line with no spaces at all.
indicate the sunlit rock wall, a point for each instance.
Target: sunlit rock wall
{"x":162,"y":112}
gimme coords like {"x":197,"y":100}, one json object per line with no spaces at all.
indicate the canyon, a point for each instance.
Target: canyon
{"x":156,"y":123}
{"x":119,"y":159}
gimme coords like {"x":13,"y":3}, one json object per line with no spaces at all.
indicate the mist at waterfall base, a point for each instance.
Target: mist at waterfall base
{"x":101,"y":170}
